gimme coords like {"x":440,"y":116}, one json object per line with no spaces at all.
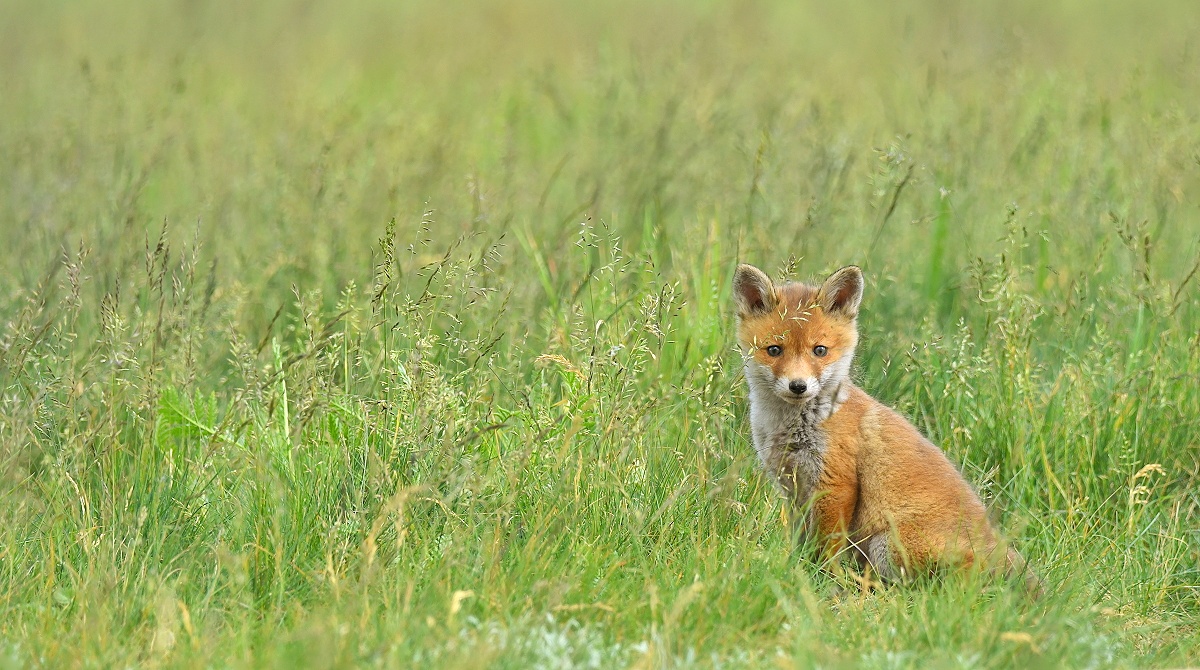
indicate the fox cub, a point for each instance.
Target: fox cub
{"x":864,"y":478}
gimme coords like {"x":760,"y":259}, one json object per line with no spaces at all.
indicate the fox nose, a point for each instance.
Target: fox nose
{"x":797,"y":386}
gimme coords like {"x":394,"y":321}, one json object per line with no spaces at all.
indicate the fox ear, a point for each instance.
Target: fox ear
{"x":842,"y":292}
{"x":753,"y":291}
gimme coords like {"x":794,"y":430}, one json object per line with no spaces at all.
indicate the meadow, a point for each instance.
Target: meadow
{"x":376,"y":334}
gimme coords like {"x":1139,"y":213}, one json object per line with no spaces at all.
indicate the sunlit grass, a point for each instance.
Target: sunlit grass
{"x":341,"y":335}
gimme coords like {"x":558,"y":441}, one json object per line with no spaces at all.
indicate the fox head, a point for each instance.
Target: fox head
{"x":797,"y":340}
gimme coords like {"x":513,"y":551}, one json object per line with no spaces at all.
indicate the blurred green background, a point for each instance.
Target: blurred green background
{"x":292,"y":132}
{"x":397,"y":333}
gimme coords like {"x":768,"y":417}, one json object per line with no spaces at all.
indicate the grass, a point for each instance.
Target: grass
{"x":399,"y":334}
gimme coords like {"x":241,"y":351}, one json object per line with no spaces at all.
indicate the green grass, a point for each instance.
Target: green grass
{"x":398,"y":334}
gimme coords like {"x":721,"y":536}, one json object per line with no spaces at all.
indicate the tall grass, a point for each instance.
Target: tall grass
{"x":399,"y":335}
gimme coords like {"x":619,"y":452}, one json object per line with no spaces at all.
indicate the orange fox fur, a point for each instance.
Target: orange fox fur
{"x":863,"y":477}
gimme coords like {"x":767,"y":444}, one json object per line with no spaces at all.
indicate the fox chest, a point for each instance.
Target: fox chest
{"x":792,"y":450}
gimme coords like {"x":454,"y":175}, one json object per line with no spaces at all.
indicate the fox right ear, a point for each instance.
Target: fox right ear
{"x":753,"y":292}
{"x":842,"y":292}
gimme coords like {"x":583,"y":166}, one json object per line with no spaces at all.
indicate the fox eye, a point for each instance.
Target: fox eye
{"x":820,"y":350}
{"x":774,"y":350}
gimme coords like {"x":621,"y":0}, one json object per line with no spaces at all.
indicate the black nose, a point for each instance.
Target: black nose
{"x":797,"y":386}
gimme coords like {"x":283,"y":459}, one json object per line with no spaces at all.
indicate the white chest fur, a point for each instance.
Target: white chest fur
{"x":788,"y":437}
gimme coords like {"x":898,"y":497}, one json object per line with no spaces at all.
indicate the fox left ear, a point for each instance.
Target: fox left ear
{"x":842,"y":292}
{"x":753,"y":292}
